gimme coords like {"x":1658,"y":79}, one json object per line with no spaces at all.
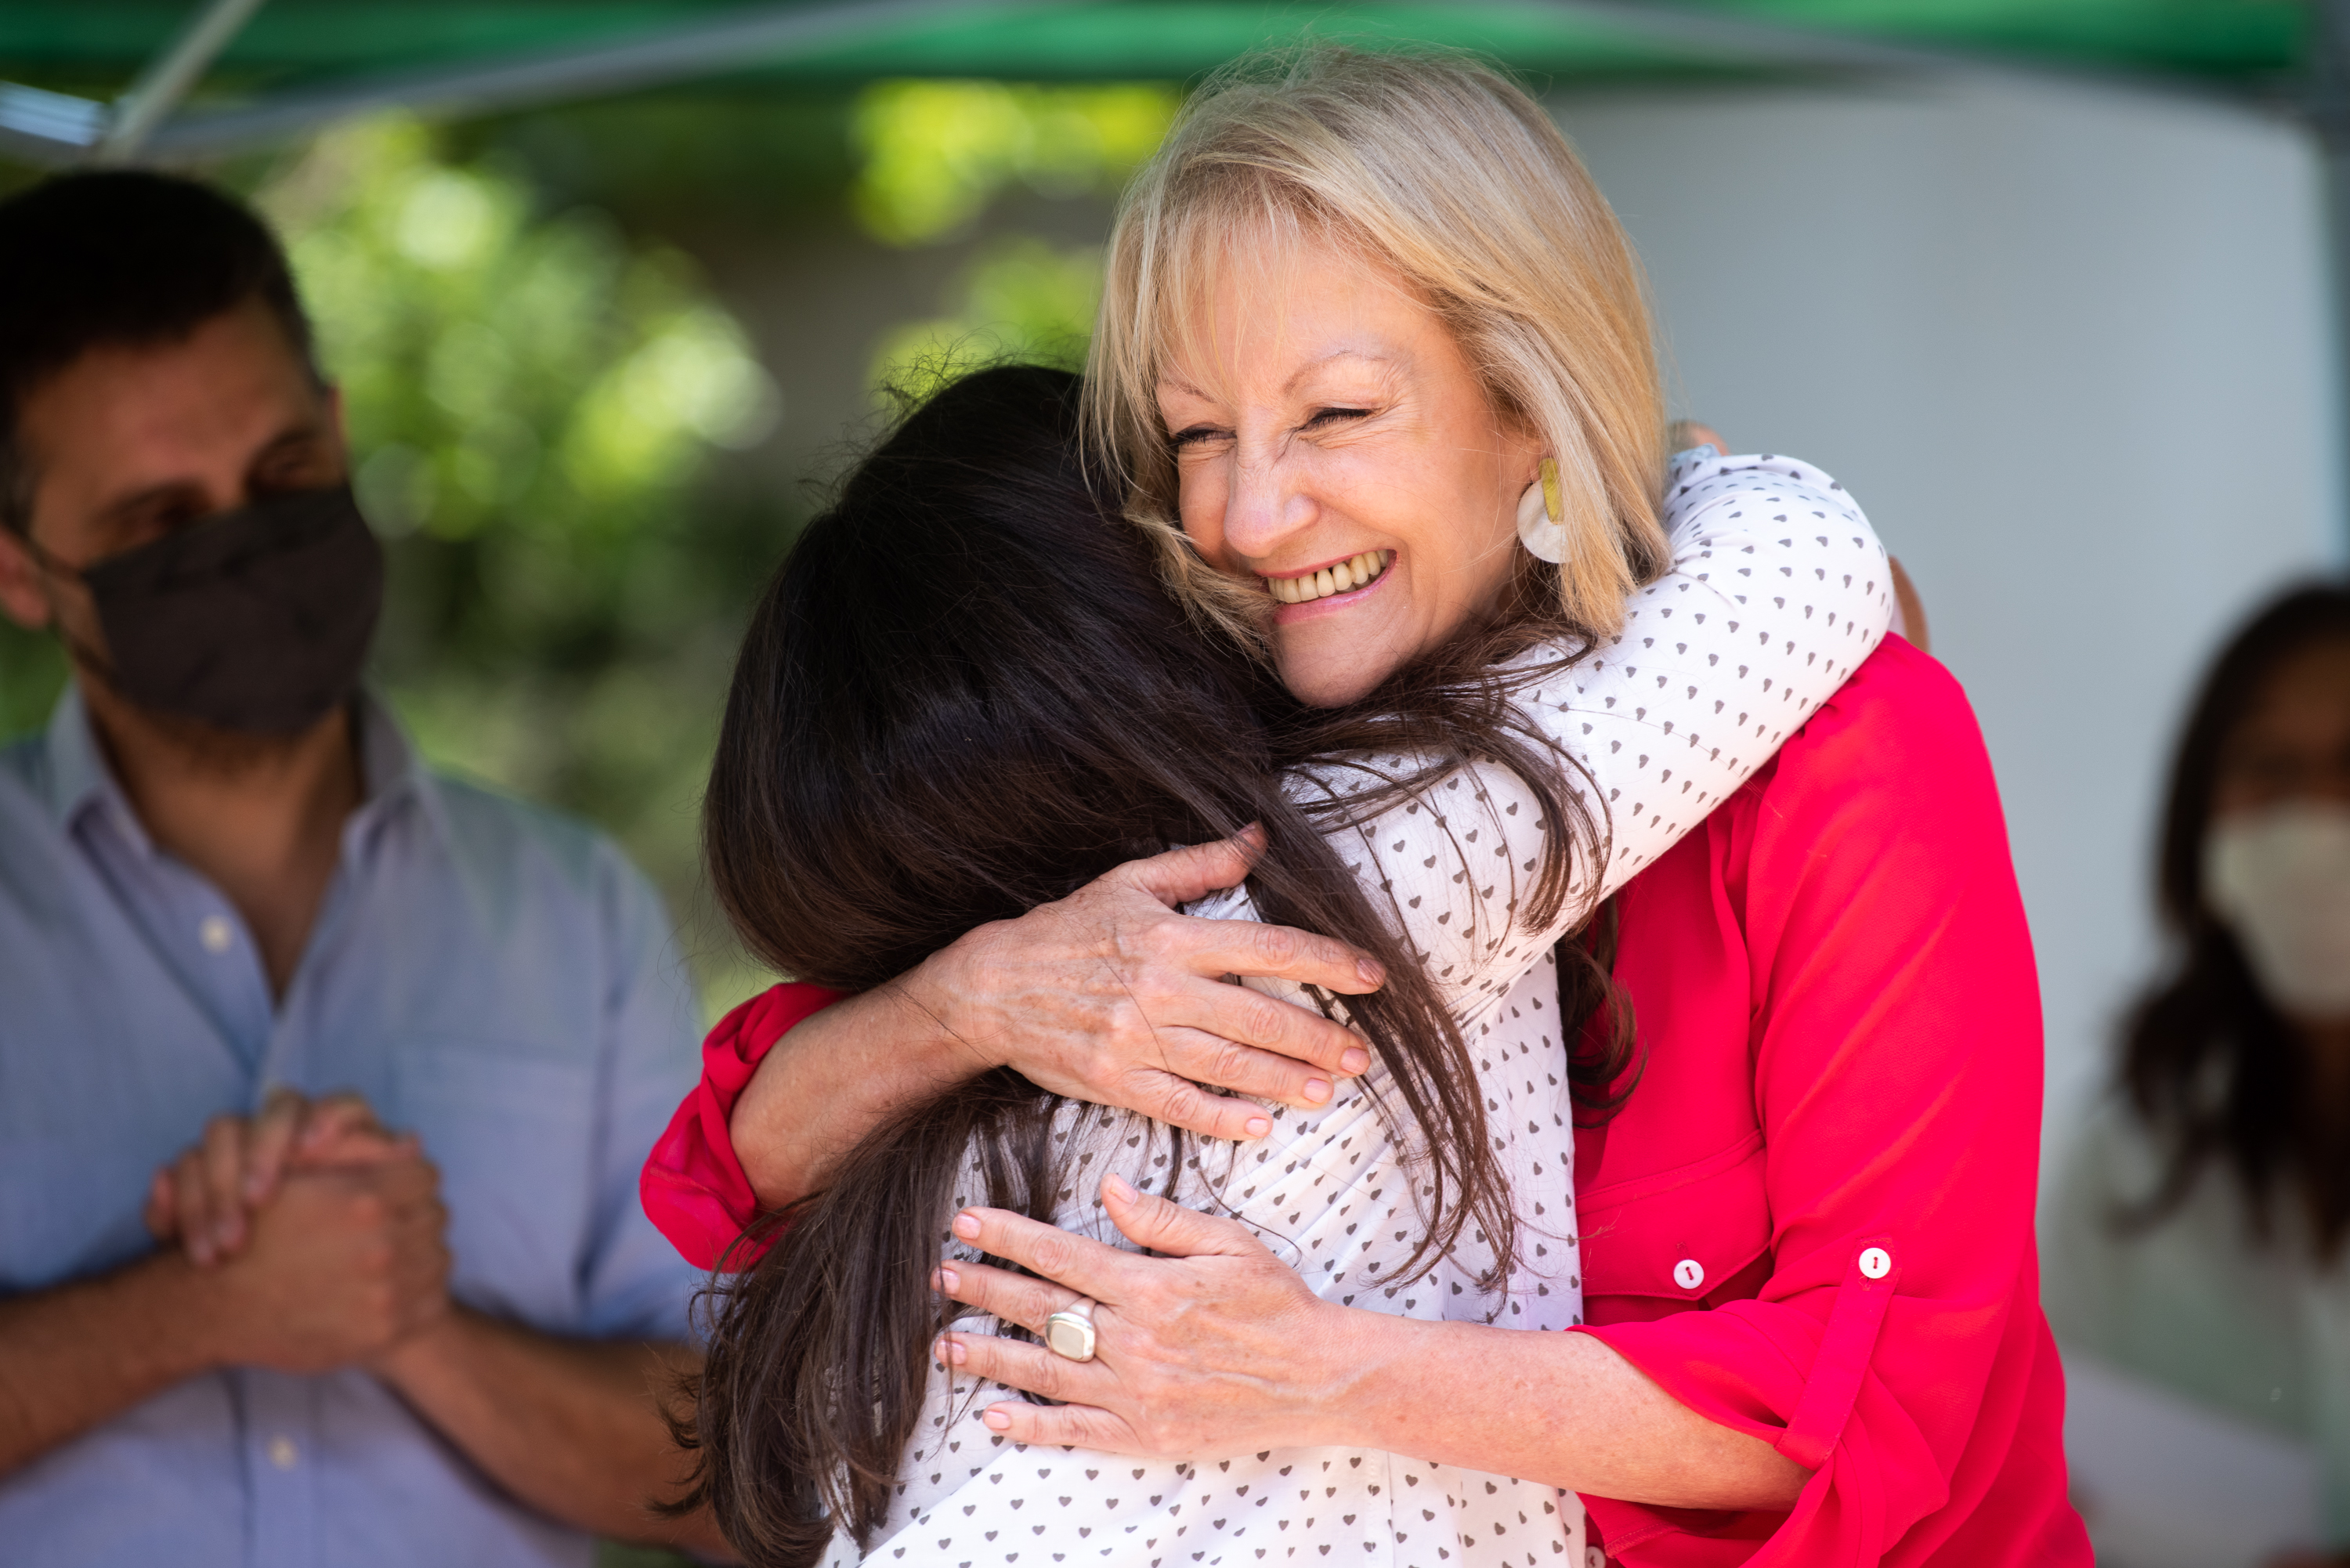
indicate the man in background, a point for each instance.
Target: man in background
{"x":228,"y":889}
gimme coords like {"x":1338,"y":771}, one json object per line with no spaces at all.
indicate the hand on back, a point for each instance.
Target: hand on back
{"x":1207,"y":1342}
{"x":1112,"y":996}
{"x":321,"y":1233}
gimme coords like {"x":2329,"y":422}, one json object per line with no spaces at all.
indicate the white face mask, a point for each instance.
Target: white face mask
{"x":2280,"y":878}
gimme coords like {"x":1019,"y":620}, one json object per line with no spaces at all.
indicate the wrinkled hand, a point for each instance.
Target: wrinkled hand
{"x":1112,"y":997}
{"x":204,"y":1199}
{"x":340,"y":1266}
{"x":1216,"y":1348}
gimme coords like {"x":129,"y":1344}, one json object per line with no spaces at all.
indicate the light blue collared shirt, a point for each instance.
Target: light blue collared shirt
{"x":494,"y":977}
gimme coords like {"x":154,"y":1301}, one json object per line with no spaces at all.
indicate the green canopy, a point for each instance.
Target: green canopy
{"x":277,"y":67}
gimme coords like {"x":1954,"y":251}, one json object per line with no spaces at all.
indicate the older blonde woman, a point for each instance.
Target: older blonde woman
{"x":1374,"y":359}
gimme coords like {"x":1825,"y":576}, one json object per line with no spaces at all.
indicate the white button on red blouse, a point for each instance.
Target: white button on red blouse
{"x":1688,"y":1273}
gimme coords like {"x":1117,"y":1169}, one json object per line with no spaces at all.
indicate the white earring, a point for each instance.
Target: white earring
{"x":1542,"y":516}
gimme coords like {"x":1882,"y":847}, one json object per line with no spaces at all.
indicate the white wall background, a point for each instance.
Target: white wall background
{"x":2072,"y":350}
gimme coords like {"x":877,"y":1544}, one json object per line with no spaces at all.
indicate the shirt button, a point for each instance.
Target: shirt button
{"x":215,"y":933}
{"x":1876,"y":1264}
{"x":283,"y":1453}
{"x":1688,"y":1273}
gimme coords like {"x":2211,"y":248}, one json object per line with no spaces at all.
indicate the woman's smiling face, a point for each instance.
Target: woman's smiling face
{"x":1333,"y":445}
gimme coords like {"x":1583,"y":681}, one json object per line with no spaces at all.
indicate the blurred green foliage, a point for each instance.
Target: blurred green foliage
{"x":32,"y":673}
{"x":934,"y":155}
{"x":531,"y":398}
{"x":541,"y":375}
{"x":1018,"y":299}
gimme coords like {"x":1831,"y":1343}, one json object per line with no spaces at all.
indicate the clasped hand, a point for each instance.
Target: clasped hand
{"x":325,"y":1231}
{"x":1214,"y":1347}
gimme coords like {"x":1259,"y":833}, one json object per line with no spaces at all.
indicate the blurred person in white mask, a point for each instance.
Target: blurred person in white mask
{"x":2199,"y":1238}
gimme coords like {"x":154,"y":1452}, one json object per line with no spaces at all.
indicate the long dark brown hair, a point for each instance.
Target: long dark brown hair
{"x":964,"y":694}
{"x":2207,"y":1064}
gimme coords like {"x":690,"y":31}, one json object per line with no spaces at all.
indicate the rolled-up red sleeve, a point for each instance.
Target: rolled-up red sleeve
{"x":1891,"y":1338}
{"x":692,"y":1187}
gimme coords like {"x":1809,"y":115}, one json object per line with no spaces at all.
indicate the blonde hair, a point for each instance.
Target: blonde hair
{"x":1442,"y":170}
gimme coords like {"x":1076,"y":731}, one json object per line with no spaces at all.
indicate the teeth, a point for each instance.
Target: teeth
{"x":1344,"y":577}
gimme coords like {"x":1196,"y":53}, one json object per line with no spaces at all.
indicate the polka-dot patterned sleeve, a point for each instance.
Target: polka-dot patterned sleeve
{"x":1778,"y":590}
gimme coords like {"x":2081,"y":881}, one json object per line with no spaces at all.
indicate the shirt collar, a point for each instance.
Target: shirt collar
{"x":392,"y":771}
{"x":80,"y":777}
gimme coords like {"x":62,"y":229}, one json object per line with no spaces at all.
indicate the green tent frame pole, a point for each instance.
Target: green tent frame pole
{"x":166,"y":84}
{"x":2329,"y":117}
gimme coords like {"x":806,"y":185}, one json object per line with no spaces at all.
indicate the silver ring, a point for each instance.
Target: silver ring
{"x":1070,"y":1331}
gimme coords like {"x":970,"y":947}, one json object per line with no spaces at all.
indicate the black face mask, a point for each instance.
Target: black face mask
{"x":255,"y":620}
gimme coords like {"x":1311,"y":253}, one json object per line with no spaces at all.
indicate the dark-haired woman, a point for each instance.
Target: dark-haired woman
{"x":2199,"y":1232}
{"x":907,"y":758}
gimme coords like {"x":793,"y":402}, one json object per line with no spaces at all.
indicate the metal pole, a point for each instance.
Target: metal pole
{"x":166,"y":82}
{"x":2329,"y":116}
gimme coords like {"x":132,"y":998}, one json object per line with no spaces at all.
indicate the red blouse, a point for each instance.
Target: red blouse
{"x":1811,"y":1220}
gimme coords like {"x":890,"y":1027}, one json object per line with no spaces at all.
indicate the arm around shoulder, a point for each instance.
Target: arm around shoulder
{"x":1110,"y":996}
